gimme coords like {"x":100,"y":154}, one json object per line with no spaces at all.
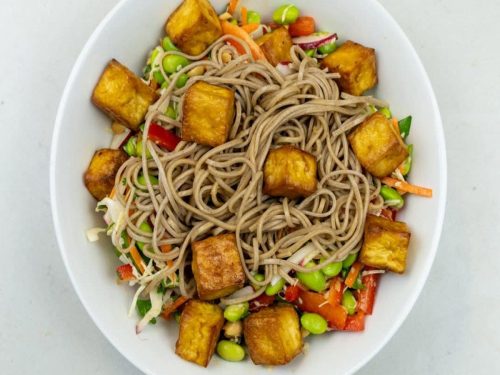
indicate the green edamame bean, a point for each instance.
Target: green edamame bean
{"x":172,"y":63}
{"x":142,"y":180}
{"x":154,"y":55}
{"x":348,"y":262}
{"x":406,"y":166}
{"x":138,"y":149}
{"x":386,"y":112}
{"x":258,"y":277}
{"x":314,"y":323}
{"x":286,"y":14}
{"x":405,"y":126}
{"x":328,"y":48}
{"x":230,"y":351}
{"x":158,"y":77}
{"x":234,"y":313}
{"x":332,"y":269}
{"x":253,"y":17}
{"x":391,"y":197}
{"x":131,"y":146}
{"x":168,"y":45}
{"x":145,"y":227}
{"x":313,"y":280}
{"x":181,"y":81}
{"x":171,"y":112}
{"x":349,"y":302}
{"x":310,"y":52}
{"x":271,"y":290}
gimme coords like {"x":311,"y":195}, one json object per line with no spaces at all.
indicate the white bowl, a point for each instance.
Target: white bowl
{"x":127,"y":33}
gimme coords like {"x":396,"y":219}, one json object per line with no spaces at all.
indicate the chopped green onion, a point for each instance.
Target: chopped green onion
{"x":253,"y":17}
{"x":405,"y":126}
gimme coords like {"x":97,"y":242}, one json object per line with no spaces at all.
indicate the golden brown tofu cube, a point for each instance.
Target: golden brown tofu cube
{"x":122,"y":95}
{"x":208,"y":112}
{"x":357,"y":66}
{"x":273,"y":335}
{"x":378,"y":145}
{"x":276,"y":46}
{"x":217,"y":266}
{"x":199,"y":330}
{"x":100,"y":175}
{"x":194,"y":26}
{"x":289,"y":172}
{"x":385,"y":244}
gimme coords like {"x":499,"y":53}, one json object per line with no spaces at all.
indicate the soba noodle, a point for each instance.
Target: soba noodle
{"x":206,"y":191}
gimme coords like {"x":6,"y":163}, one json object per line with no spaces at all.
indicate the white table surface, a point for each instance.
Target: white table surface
{"x":454,"y":327}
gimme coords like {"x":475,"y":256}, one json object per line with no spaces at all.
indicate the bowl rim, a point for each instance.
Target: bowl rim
{"x":405,"y":310}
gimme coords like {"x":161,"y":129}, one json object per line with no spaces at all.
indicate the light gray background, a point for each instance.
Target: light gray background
{"x":454,"y":327}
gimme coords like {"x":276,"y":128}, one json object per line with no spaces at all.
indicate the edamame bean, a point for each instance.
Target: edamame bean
{"x":349,"y":302}
{"x":234,"y":313}
{"x":313,"y":280}
{"x":271,"y":290}
{"x":406,"y":166}
{"x":310,"y":52}
{"x":153,"y":56}
{"x":253,"y":17}
{"x":230,"y":351}
{"x":138,"y":149}
{"x":332,"y":269}
{"x":391,"y":197}
{"x":172,"y":63}
{"x":158,"y":77}
{"x":286,"y":14}
{"x":348,"y":262}
{"x":131,"y":146}
{"x":328,"y":48}
{"x":145,"y":227}
{"x":171,"y":112}
{"x":314,"y":323}
{"x":168,"y":45}
{"x":386,"y":112}
{"x":142,"y":180}
{"x":181,"y":81}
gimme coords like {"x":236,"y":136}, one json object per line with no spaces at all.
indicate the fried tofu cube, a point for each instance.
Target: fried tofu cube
{"x":378,"y":145}
{"x":289,"y":172}
{"x":199,"y":329}
{"x":122,"y":95}
{"x":217,"y":266}
{"x":194,"y":26}
{"x":100,"y":175}
{"x":385,"y":244}
{"x":208,"y":112}
{"x":273,"y":335}
{"x":276,"y":46}
{"x":357,"y":66}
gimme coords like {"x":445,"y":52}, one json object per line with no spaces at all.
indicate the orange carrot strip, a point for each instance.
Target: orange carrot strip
{"x":250,"y":28}
{"x":395,"y":124}
{"x":353,"y":274}
{"x":244,"y":15}
{"x":234,"y":30}
{"x":407,"y":187}
{"x":170,"y":308}
{"x":165,"y":248}
{"x":233,"y":4}
{"x":136,"y":257}
{"x":112,"y":193}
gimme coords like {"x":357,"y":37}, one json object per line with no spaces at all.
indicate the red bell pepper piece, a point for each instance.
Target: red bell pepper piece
{"x":124,"y":272}
{"x":261,"y":301}
{"x":304,"y":26}
{"x":163,"y":137}
{"x":355,"y":323}
{"x":366,"y":296}
{"x":313,"y":302}
{"x":292,"y":293}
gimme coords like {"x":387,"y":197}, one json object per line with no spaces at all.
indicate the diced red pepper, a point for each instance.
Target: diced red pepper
{"x":366,"y":296}
{"x":355,"y":323}
{"x":388,"y":213}
{"x":124,"y":272}
{"x":261,"y":301}
{"x":302,"y":27}
{"x":163,"y":137}
{"x":313,"y":302}
{"x":292,"y":292}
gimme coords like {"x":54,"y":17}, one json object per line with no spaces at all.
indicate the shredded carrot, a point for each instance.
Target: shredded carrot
{"x":136,"y":257}
{"x":250,"y":28}
{"x":244,"y":16}
{"x":112,"y":193}
{"x":335,"y":292}
{"x":165,"y":248}
{"x":233,"y":4}
{"x":407,"y":187}
{"x":234,"y":30}
{"x":395,"y":124}
{"x":170,"y":308}
{"x":353,"y":274}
